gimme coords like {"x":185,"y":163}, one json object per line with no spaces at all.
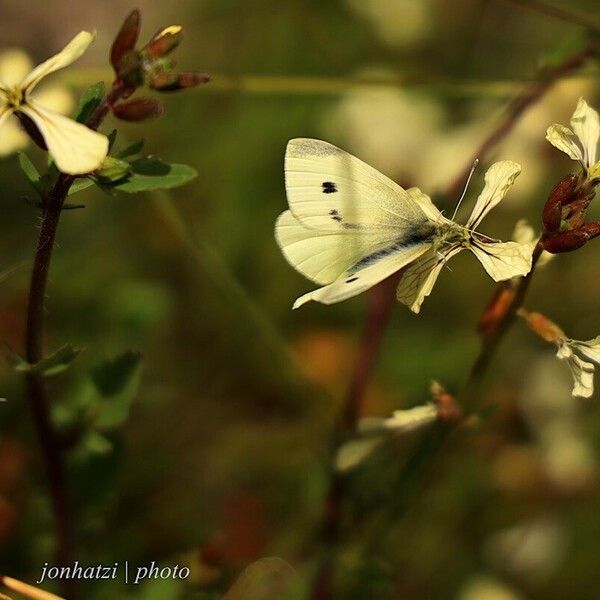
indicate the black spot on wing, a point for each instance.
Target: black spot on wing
{"x":351,"y":279}
{"x":335,"y":215}
{"x":329,"y":187}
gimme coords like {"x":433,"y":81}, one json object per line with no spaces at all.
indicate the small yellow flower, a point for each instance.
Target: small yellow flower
{"x":580,"y":141}
{"x":75,"y":148}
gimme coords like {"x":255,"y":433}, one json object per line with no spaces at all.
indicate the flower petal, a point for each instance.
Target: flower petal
{"x":503,"y":260}
{"x":69,"y":54}
{"x":410,"y":419}
{"x":589,"y":349}
{"x":56,"y":98}
{"x":586,"y":126}
{"x":14,"y":65}
{"x":583,"y":376}
{"x":12,"y":138}
{"x":499,"y":177}
{"x":75,"y":148}
{"x":418,"y":280}
{"x":426,"y":205}
{"x":524,"y":233}
{"x":566,"y":141}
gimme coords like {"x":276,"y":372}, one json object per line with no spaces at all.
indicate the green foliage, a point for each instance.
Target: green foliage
{"x":55,"y":364}
{"x":151,"y":174}
{"x":89,"y":101}
{"x":31,"y":172}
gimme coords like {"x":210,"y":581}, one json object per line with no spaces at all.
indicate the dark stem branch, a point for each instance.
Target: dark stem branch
{"x":34,"y":349}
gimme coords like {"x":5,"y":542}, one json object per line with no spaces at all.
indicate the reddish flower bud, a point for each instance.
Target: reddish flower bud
{"x":565,"y":192}
{"x":164,"y":41}
{"x":541,"y":325}
{"x":571,"y":240}
{"x":126,"y":39}
{"x":496,"y":310}
{"x":140,"y":109}
{"x":172,"y":82}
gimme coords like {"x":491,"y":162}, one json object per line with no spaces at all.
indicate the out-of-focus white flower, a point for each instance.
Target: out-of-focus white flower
{"x":532,"y":550}
{"x":75,"y":148}
{"x":523,"y":233}
{"x":402,"y":422}
{"x":399,"y":23}
{"x":580,"y":141}
{"x":572,"y":351}
{"x":486,"y":587}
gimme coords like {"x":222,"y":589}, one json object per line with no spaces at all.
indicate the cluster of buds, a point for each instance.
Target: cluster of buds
{"x":564,"y":215}
{"x":149,"y":66}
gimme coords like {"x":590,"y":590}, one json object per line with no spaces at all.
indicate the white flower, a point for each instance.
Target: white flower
{"x":580,"y":142}
{"x":14,"y":66}
{"x":523,"y":233}
{"x":75,"y":148}
{"x":582,"y":371}
{"x":501,"y":260}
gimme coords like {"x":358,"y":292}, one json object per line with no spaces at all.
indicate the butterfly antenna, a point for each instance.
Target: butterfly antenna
{"x":475,"y":163}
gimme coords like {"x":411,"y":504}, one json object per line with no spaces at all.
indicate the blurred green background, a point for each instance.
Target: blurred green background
{"x":224,"y":457}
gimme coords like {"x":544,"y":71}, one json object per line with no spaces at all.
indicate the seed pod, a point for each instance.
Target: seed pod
{"x":126,"y":39}
{"x":164,"y":41}
{"x":140,"y":109}
{"x":496,"y":310}
{"x":541,"y":325}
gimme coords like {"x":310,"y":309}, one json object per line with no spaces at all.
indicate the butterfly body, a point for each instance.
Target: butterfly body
{"x":348,"y":227}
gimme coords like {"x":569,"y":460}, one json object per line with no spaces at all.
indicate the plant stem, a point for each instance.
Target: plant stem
{"x":34,"y":350}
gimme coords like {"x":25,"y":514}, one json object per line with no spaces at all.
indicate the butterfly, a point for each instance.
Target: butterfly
{"x":349,"y":227}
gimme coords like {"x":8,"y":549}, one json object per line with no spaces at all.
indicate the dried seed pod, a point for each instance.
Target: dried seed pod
{"x":541,"y":325}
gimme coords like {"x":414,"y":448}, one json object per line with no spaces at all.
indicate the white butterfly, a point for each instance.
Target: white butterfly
{"x":350,"y":227}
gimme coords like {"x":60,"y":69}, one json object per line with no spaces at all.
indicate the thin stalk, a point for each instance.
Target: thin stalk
{"x":34,"y":349}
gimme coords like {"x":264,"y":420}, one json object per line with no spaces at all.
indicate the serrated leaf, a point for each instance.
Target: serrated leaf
{"x":89,"y":101}
{"x":131,"y":150}
{"x":157,"y":176}
{"x":116,"y":382}
{"x":31,"y":172}
{"x":52,"y":365}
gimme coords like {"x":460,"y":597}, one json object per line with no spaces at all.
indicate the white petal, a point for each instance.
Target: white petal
{"x":427,"y":206}
{"x":589,"y":349}
{"x":499,"y":177}
{"x":353,"y":453}
{"x":583,"y":376}
{"x":503,"y":260}
{"x":566,"y":141}
{"x":12,"y":137}
{"x":56,"y":98}
{"x":586,"y":126}
{"x":410,"y":419}
{"x":524,"y":233}
{"x":14,"y":65}
{"x":75,"y":148}
{"x":69,"y":54}
{"x":418,"y":280}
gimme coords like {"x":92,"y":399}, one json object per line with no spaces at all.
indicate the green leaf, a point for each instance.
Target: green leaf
{"x":113,"y":170}
{"x":52,"y":365}
{"x":89,"y":101}
{"x":112,"y":138}
{"x":153,"y":174}
{"x":31,"y":172}
{"x":80,"y":184}
{"x":96,"y":443}
{"x":117,"y":382}
{"x":131,"y":150}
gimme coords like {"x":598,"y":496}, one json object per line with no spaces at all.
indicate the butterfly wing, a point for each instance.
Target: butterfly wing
{"x":367,"y":273}
{"x":345,"y":216}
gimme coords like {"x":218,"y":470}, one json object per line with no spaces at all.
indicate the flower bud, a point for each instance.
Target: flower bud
{"x":131,"y":69}
{"x":172,"y":82}
{"x":541,"y":325}
{"x":113,"y":169}
{"x":140,"y":109}
{"x":496,"y":310}
{"x":126,"y":39}
{"x":563,"y":194}
{"x":164,"y":41}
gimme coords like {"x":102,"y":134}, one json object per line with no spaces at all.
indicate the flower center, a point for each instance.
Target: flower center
{"x":15,"y":97}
